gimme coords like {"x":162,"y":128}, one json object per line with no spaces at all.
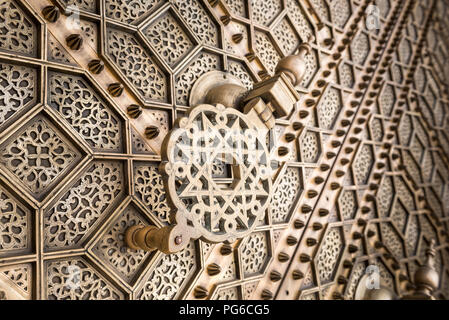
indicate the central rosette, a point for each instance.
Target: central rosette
{"x":217,"y":173}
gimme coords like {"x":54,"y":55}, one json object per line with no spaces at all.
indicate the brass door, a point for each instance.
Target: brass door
{"x":364,"y":180}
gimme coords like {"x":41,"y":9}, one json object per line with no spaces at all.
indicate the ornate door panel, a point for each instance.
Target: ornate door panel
{"x":359,"y":167}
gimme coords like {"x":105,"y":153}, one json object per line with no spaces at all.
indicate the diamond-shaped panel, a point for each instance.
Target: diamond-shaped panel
{"x":39,"y":155}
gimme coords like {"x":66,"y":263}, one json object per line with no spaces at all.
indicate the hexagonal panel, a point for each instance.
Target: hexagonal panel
{"x":199,"y":20}
{"x":255,"y":253}
{"x":405,"y":193}
{"x":377,"y":129}
{"x":328,"y":256}
{"x":137,"y":65}
{"x":347,"y":204}
{"x":385,"y":196}
{"x":392,"y":240}
{"x":329,"y":107}
{"x":300,"y":20}
{"x":405,"y":51}
{"x":360,"y":48}
{"x":412,"y":166}
{"x":321,"y":8}
{"x":340,"y":12}
{"x":387,"y":99}
{"x":346,"y":75}
{"x":405,"y":129}
{"x":120,"y":10}
{"x":412,"y":235}
{"x":312,"y":62}
{"x":310,"y":146}
{"x":399,"y":216}
{"x":363,"y":163}
{"x":266,"y":51}
{"x":286,"y":35}
{"x":264,"y":11}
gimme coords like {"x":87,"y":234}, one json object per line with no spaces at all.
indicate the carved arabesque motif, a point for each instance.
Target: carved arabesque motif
{"x":149,"y":188}
{"x":169,"y":39}
{"x":136,"y":65}
{"x":112,"y":248}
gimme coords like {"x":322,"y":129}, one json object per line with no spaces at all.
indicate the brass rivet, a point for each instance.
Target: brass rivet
{"x":151,"y":132}
{"x":74,"y":41}
{"x":96,"y":66}
{"x":51,"y":13}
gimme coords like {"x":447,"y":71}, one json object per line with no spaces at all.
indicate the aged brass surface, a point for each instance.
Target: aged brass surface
{"x":356,"y":142}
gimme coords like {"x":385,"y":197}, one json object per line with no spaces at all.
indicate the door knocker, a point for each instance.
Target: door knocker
{"x":215,"y":161}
